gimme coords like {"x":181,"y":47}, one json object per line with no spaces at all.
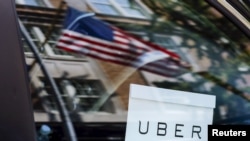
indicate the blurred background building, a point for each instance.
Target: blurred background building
{"x":96,"y":93}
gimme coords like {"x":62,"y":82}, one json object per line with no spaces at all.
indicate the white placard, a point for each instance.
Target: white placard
{"x":157,"y":114}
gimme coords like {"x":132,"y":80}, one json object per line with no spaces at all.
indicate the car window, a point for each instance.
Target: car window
{"x":83,"y":56}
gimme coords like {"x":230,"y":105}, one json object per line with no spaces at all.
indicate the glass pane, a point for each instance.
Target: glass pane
{"x":134,"y":12}
{"x":86,"y":93}
{"x":25,"y":46}
{"x":165,"y":42}
{"x":34,"y":38}
{"x":41,"y":3}
{"x":31,"y":32}
{"x":131,"y":9}
{"x":100,"y":1}
{"x":188,"y":47}
{"x":31,"y":2}
{"x":106,"y":9}
{"x":123,"y":3}
{"x":52,"y":39}
{"x":34,"y":2}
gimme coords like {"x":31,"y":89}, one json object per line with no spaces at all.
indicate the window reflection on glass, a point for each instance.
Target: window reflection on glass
{"x":52,"y":40}
{"x":119,"y":7}
{"x":132,"y":9}
{"x":78,"y":94}
{"x":25,"y":45}
{"x":34,"y":37}
{"x":31,"y":2}
{"x":39,"y":34}
{"x":105,"y":7}
{"x":165,"y":41}
{"x":135,"y":12}
{"x":197,"y":33}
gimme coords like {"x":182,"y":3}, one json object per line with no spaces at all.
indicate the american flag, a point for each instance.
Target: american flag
{"x":92,"y":37}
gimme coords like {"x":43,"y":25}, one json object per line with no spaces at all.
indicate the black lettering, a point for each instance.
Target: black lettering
{"x":164,"y":129}
{"x":141,"y":132}
{"x":196,"y":131}
{"x":178,"y":130}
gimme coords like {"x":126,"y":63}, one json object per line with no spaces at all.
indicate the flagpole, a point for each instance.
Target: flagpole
{"x":79,"y":18}
{"x":126,"y":73}
{"x":67,"y":123}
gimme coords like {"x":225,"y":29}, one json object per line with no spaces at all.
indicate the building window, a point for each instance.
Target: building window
{"x":119,"y":7}
{"x":131,"y":9}
{"x":26,"y":48}
{"x":47,"y":45}
{"x":104,"y":6}
{"x":34,"y":38}
{"x":78,"y":94}
{"x":31,"y":2}
{"x":52,"y":40}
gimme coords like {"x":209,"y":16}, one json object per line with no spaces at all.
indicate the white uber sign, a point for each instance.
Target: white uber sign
{"x":157,"y":114}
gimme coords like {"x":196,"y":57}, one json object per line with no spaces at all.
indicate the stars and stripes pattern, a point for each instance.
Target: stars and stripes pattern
{"x":94,"y":38}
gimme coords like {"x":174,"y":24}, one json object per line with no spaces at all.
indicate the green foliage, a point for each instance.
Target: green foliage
{"x":193,"y":20}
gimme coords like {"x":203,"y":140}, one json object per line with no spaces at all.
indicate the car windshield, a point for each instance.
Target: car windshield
{"x":82,"y":57}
